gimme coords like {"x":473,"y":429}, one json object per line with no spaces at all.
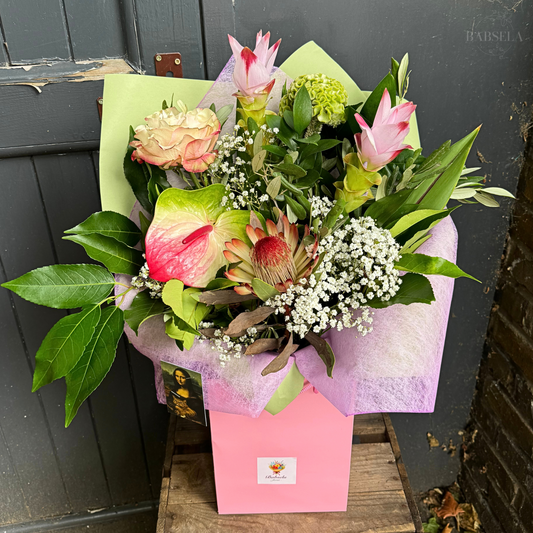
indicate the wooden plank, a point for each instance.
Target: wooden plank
{"x":373,"y":468}
{"x":60,"y":117}
{"x":163,"y":503}
{"x":413,"y":508}
{"x":192,"y":479}
{"x":183,"y":34}
{"x":371,"y":512}
{"x":95,"y":29}
{"x":219,"y":20}
{"x":370,"y":428}
{"x":25,"y":244}
{"x":169,"y":452}
{"x":119,"y":434}
{"x":34,"y":32}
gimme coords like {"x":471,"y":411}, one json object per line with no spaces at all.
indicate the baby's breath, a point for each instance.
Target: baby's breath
{"x":358,"y":265}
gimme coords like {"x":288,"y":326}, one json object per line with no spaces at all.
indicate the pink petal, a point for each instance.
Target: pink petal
{"x":271,"y":57}
{"x":199,"y":165}
{"x":261,"y":47}
{"x":389,"y":136}
{"x":249,"y":72}
{"x":382,"y":114}
{"x":235,"y":46}
{"x":402,"y":113}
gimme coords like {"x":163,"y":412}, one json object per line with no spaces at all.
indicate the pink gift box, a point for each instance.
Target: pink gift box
{"x":296,"y":461}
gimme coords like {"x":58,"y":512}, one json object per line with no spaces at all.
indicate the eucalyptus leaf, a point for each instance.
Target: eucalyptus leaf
{"x":497,"y":191}
{"x":64,"y":345}
{"x":425,"y":264}
{"x":95,"y":362}
{"x":462,"y":194}
{"x":274,"y":186}
{"x":324,"y":351}
{"x":141,"y":309}
{"x":248,"y":319}
{"x":223,"y":113}
{"x":486,"y":199}
{"x":63,"y":286}
{"x":291,"y":215}
{"x":110,"y":224}
{"x":114,"y":255}
{"x":258,"y":160}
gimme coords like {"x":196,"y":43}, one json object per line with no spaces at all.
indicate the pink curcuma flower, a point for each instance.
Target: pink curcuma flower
{"x":381,"y":143}
{"x":251,"y":74}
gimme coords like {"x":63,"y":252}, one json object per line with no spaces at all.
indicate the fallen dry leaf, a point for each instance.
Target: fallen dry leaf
{"x":246,"y":320}
{"x":281,"y":360}
{"x":449,"y":507}
{"x":224,"y":297}
{"x":262,"y":345}
{"x":432,"y":441}
{"x":448,"y":529}
{"x":469,"y":519}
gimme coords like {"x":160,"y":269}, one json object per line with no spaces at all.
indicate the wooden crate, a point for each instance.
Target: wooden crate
{"x":379,"y":501}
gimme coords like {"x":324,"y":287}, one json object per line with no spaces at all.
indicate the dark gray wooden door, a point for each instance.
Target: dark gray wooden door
{"x":110,"y":457}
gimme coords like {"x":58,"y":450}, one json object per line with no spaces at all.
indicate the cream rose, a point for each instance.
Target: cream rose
{"x":175,"y":136}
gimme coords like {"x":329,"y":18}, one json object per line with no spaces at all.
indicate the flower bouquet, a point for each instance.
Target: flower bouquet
{"x":276,"y":235}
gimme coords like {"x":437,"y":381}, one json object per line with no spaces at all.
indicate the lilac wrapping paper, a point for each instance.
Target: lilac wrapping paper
{"x":395,"y":368}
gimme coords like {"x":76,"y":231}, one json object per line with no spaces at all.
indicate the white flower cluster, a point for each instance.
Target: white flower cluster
{"x":320,"y":206}
{"x":144,"y":281}
{"x":226,"y":346}
{"x":358,"y":265}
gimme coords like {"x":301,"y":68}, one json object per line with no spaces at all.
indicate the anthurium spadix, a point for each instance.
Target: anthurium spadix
{"x":187,"y":235}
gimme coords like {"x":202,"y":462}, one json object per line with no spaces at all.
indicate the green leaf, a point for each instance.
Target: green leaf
{"x":296,"y":208}
{"x":110,"y":224}
{"x":64,"y":345}
{"x":63,"y":286}
{"x":274,"y":186}
{"x":302,"y":110}
{"x":414,"y":289}
{"x":383,"y":211}
{"x":288,"y":117}
{"x":425,"y":224}
{"x":415,"y":242}
{"x":223,"y":113}
{"x":276,"y":150}
{"x":184,"y":326}
{"x":425,"y":264}
{"x":291,"y":169}
{"x":141,"y":309}
{"x":313,"y":139}
{"x":371,"y":105}
{"x":273,"y":121}
{"x":220,"y":283}
{"x":486,"y":199}
{"x":137,"y":178}
{"x":334,"y":213}
{"x":264,"y":290}
{"x":411,"y":219}
{"x":157,"y":183}
{"x":253,"y":128}
{"x":305,"y":183}
{"x":435,"y":193}
{"x":115,"y":256}
{"x":95,"y":362}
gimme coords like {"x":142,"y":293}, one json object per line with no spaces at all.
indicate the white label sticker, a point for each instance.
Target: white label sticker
{"x":276,"y":470}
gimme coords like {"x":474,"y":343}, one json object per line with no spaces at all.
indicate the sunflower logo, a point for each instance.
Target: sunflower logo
{"x":276,"y":467}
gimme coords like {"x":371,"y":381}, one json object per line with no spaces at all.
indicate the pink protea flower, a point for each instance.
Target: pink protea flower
{"x":275,"y":257}
{"x":381,"y":143}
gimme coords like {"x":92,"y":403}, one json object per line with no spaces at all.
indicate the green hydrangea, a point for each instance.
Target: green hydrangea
{"x":328,"y":97}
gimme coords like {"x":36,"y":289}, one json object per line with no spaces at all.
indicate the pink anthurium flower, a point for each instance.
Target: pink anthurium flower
{"x":251,"y":74}
{"x":187,"y":237}
{"x":381,"y":143}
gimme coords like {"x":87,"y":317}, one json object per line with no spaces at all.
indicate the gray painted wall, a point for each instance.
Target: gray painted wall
{"x":111,"y":454}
